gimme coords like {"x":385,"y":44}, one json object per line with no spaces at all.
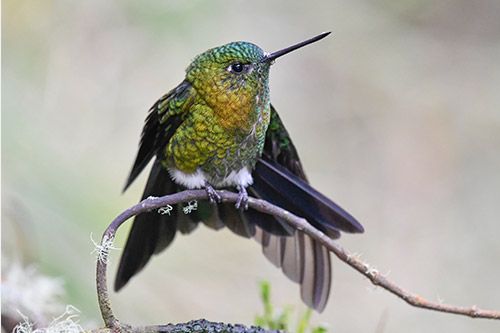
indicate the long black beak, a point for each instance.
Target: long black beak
{"x":272,"y":56}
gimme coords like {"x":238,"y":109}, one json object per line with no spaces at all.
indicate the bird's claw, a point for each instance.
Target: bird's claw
{"x":212,"y":194}
{"x":242,"y":198}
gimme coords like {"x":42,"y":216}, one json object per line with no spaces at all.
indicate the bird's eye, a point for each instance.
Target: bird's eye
{"x":236,"y":67}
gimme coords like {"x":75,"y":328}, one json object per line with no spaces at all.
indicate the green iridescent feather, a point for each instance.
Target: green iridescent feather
{"x":217,"y":121}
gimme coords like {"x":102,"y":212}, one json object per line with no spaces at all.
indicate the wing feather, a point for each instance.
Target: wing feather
{"x":279,"y":178}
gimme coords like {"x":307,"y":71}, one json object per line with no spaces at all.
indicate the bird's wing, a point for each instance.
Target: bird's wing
{"x":280,"y":179}
{"x":280,"y":174}
{"x":162,"y":121}
{"x":152,"y":232}
{"x":279,"y":146}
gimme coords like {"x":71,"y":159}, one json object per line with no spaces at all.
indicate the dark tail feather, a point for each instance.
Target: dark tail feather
{"x":151,"y":231}
{"x":298,"y":197}
{"x":209,"y":214}
{"x":235,"y":220}
{"x":301,"y":258}
{"x":269,"y":223}
{"x":317,"y":273}
{"x":304,"y":261}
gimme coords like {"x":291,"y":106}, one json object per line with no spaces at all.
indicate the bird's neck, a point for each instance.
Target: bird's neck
{"x":240,"y":111}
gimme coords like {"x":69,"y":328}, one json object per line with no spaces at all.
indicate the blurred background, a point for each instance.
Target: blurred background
{"x":396,"y":116}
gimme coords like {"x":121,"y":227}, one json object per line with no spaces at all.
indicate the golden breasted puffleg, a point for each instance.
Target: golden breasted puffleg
{"x":218,"y":130}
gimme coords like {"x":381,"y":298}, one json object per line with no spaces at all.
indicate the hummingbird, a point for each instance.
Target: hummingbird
{"x":218,"y":130}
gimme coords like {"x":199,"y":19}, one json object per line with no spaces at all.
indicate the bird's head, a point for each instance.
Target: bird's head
{"x":233,"y":73}
{"x":236,"y":73}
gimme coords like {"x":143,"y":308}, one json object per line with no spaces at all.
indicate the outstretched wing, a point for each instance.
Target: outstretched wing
{"x":152,"y":232}
{"x":281,"y":172}
{"x":279,"y":146}
{"x":162,"y":121}
{"x":280,"y":179}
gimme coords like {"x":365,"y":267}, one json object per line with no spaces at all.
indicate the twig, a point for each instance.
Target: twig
{"x":265,"y":207}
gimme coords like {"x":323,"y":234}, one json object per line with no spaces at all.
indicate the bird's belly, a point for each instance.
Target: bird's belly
{"x":199,"y":178}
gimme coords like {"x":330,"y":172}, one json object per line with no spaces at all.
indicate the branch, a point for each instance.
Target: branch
{"x":265,"y":207}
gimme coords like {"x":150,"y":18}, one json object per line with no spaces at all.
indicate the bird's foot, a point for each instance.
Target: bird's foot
{"x":213,"y":196}
{"x":242,"y":198}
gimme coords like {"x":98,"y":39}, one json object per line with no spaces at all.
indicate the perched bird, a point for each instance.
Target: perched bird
{"x":217,"y":129}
